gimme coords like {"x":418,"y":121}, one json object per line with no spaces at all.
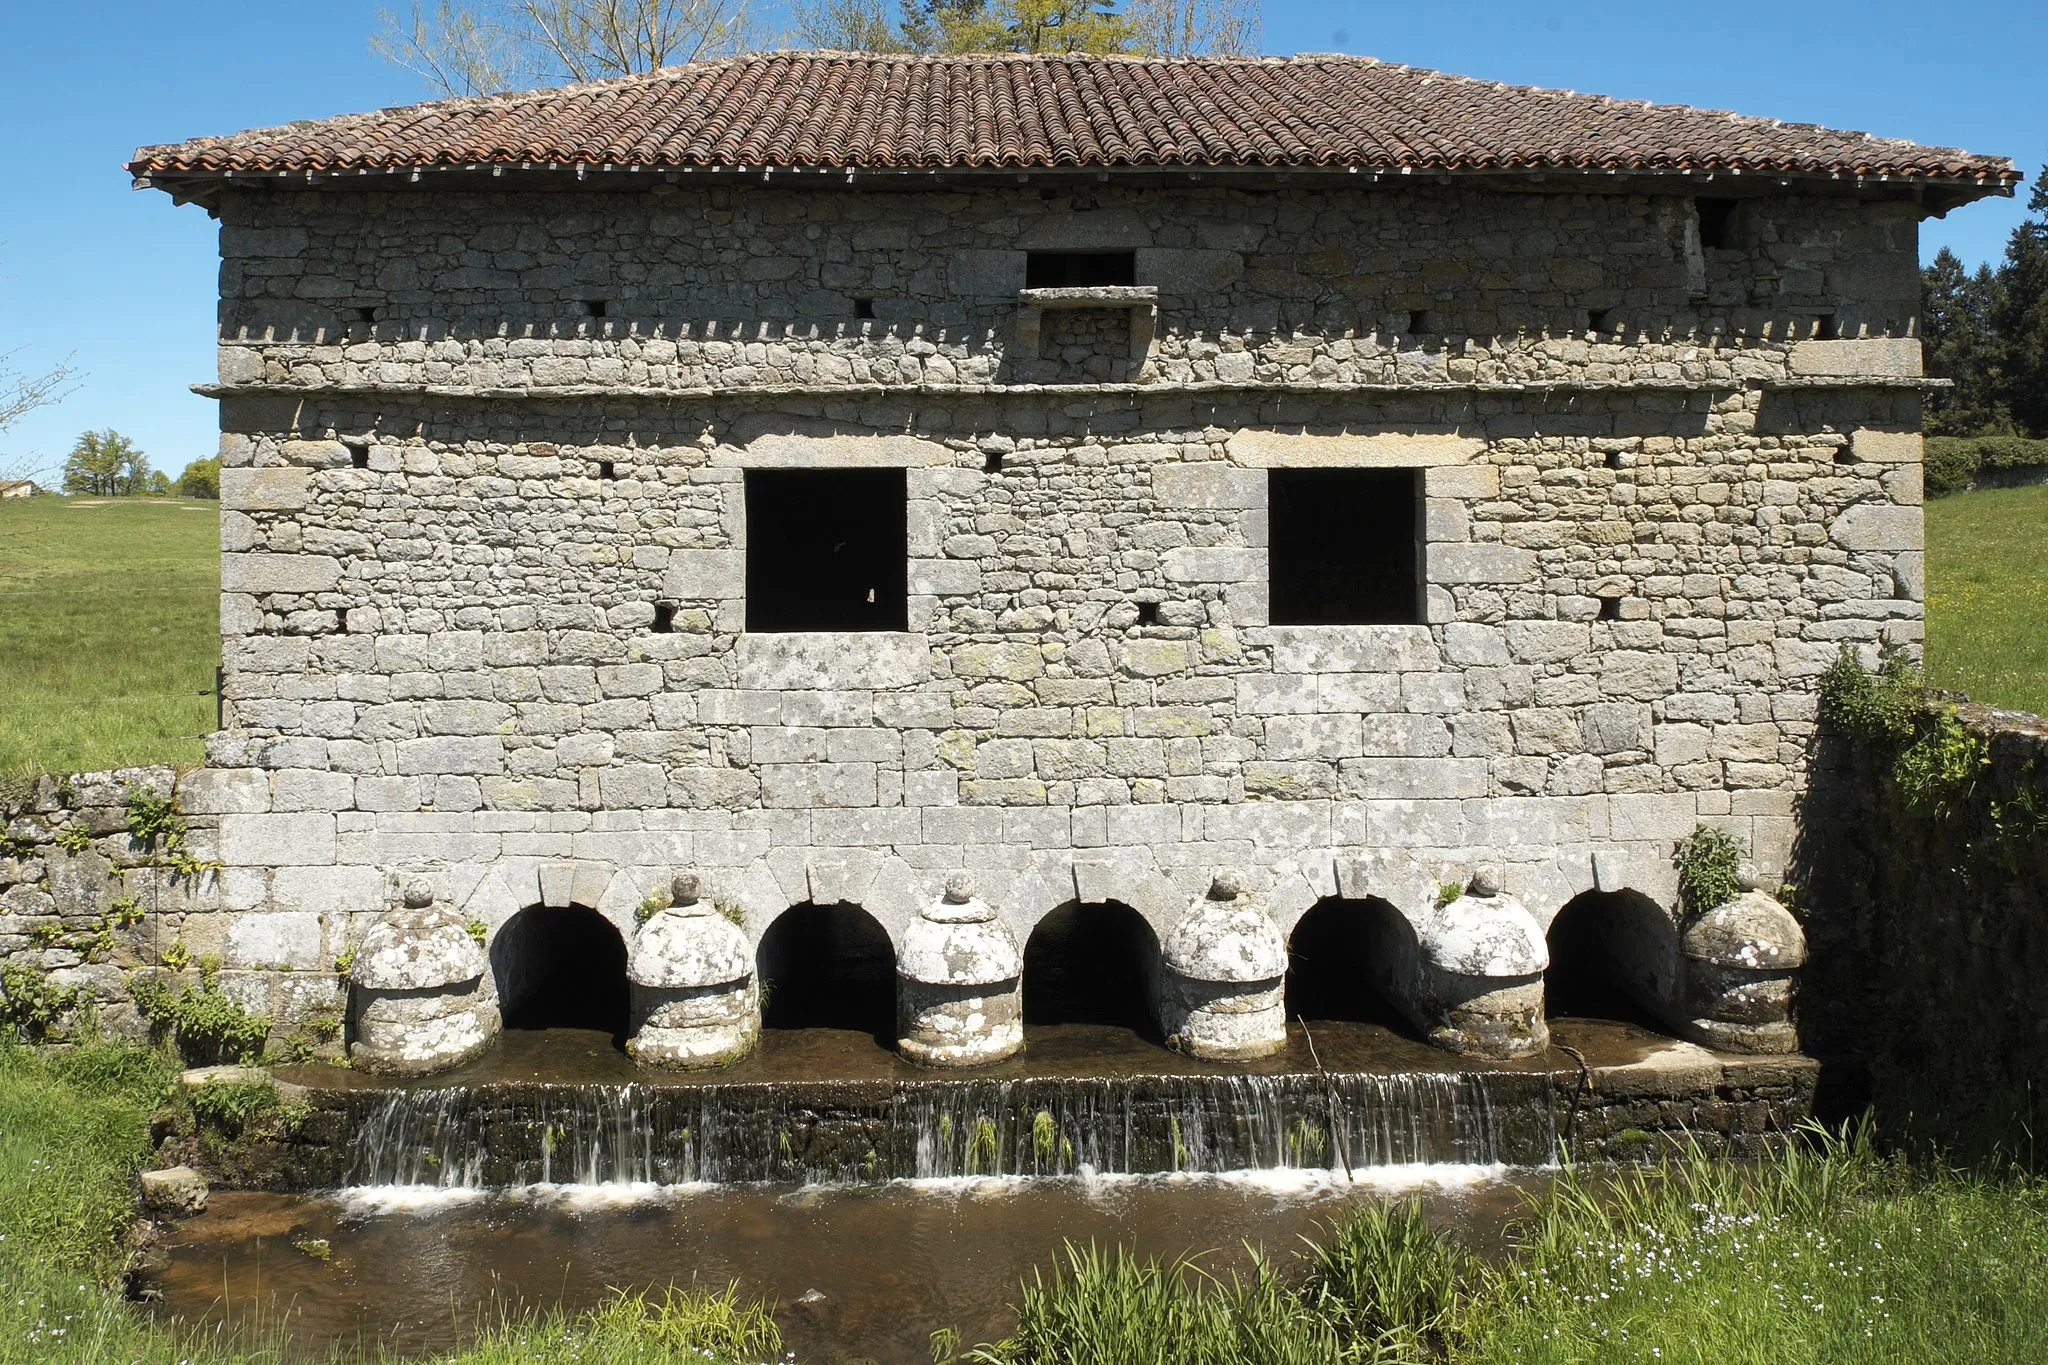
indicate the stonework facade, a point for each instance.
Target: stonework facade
{"x":449,"y":531}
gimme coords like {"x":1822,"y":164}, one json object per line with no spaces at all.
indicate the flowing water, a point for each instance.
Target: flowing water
{"x":553,"y":1172}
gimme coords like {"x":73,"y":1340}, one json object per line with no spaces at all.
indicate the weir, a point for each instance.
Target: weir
{"x":499,"y":1136}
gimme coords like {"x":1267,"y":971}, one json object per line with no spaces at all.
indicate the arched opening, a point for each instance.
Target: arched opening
{"x":828,"y":966}
{"x":1613,"y":955}
{"x":1093,"y":964}
{"x":561,"y":968}
{"x":1338,"y":958}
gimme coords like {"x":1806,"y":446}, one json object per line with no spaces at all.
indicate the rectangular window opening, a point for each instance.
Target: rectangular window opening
{"x":1346,"y":546}
{"x":664,"y":618}
{"x":865,"y":308}
{"x":366,"y":314}
{"x":992,"y":463}
{"x":1418,"y":321}
{"x":359,"y":456}
{"x":1596,"y":320}
{"x":1610,"y":608}
{"x":595,"y":307}
{"x":827,"y":549}
{"x":1148,"y":613}
{"x":1717,"y":222}
{"x":607,"y":470}
{"x":1079,"y":269}
{"x":1825,"y":328}
{"x":1614,"y":460}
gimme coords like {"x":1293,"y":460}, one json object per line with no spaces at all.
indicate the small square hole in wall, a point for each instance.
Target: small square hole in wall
{"x":1148,"y":613}
{"x":359,"y":456}
{"x":827,"y":549}
{"x":1610,"y":608}
{"x":1345,"y":546}
{"x":1825,"y":328}
{"x":366,"y":315}
{"x":607,"y":470}
{"x":1596,"y":320}
{"x":992,"y":463}
{"x":1418,"y":321}
{"x":1614,"y":460}
{"x":863,"y":308}
{"x":664,"y":618}
{"x":596,"y":308}
{"x":1845,"y":454}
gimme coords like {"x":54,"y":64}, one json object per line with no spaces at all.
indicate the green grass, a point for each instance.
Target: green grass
{"x":1987,"y":595}
{"x":109,"y":631}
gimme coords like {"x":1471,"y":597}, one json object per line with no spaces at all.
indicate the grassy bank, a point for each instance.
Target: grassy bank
{"x":109,"y":631}
{"x":1833,"y":1255}
{"x":1987,"y":595}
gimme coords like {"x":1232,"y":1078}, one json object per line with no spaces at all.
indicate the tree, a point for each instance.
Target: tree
{"x":107,"y":464}
{"x":1960,"y":341}
{"x":480,"y":47}
{"x":1164,"y":28}
{"x":2020,"y":317}
{"x":201,"y":479}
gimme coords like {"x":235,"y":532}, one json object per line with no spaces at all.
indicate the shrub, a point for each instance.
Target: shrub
{"x":1954,"y":463}
{"x":1709,"y":866}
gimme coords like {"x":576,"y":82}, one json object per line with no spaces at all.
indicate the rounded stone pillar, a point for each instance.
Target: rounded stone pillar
{"x":420,"y":992}
{"x":1739,"y":961}
{"x":692,"y":976}
{"x":1480,"y":992}
{"x":1223,"y":993}
{"x":959,"y":983}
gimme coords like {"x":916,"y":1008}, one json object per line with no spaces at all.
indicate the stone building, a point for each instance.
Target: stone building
{"x":1311,"y":485}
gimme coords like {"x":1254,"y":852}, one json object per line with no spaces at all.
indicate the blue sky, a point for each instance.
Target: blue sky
{"x":124,"y":283}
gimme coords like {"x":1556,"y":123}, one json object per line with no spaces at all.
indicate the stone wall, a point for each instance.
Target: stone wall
{"x":750,"y":287}
{"x":1927,"y":991}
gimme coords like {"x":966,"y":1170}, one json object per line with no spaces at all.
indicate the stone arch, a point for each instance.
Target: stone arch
{"x":561,"y":967}
{"x":1345,"y":958}
{"x":828,"y":965}
{"x":1613,"y":955}
{"x":1093,"y":962}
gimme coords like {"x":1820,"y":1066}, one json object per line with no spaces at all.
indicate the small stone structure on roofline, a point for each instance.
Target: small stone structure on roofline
{"x":1210,"y":493}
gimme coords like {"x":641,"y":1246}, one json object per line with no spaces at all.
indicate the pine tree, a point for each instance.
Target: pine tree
{"x":1960,"y":343}
{"x":2020,"y":317}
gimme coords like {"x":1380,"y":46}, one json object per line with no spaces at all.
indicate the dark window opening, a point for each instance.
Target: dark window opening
{"x":1329,"y":957}
{"x":1825,"y":328}
{"x":1148,"y":613}
{"x":1614,"y":459}
{"x":341,"y":621}
{"x":992,"y":463}
{"x":1418,"y":321}
{"x":1609,"y":953}
{"x":1717,"y":222}
{"x":1092,"y":964}
{"x":863,"y":308}
{"x":828,"y":966}
{"x":607,"y":470}
{"x":1079,"y":269}
{"x":1596,"y":320}
{"x":366,"y":315}
{"x":595,"y":307}
{"x":359,"y":457}
{"x":664,"y":617}
{"x":1610,"y":608}
{"x":561,"y":968}
{"x":1346,"y":546}
{"x":827,"y":549}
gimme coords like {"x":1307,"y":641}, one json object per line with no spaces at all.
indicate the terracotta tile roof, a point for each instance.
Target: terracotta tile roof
{"x":853,"y":111}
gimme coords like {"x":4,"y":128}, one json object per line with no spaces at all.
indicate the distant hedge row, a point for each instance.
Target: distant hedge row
{"x":1955,"y":463}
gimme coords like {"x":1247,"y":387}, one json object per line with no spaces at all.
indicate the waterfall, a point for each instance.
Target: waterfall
{"x":494,"y":1136}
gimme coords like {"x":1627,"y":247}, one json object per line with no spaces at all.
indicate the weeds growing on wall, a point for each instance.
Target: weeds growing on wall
{"x":1709,"y":869}
{"x":207,"y":1023}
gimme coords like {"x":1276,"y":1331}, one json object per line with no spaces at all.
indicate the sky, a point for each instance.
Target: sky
{"x":122,"y":284}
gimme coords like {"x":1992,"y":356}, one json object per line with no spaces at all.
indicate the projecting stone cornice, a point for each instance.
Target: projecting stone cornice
{"x":579,"y":392}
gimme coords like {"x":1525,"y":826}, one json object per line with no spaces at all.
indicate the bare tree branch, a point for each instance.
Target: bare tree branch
{"x":468,"y":47}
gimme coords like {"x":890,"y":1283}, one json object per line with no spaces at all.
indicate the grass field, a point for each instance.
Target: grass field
{"x":109,"y":631}
{"x":108,"y":620}
{"x":1987,"y":595}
